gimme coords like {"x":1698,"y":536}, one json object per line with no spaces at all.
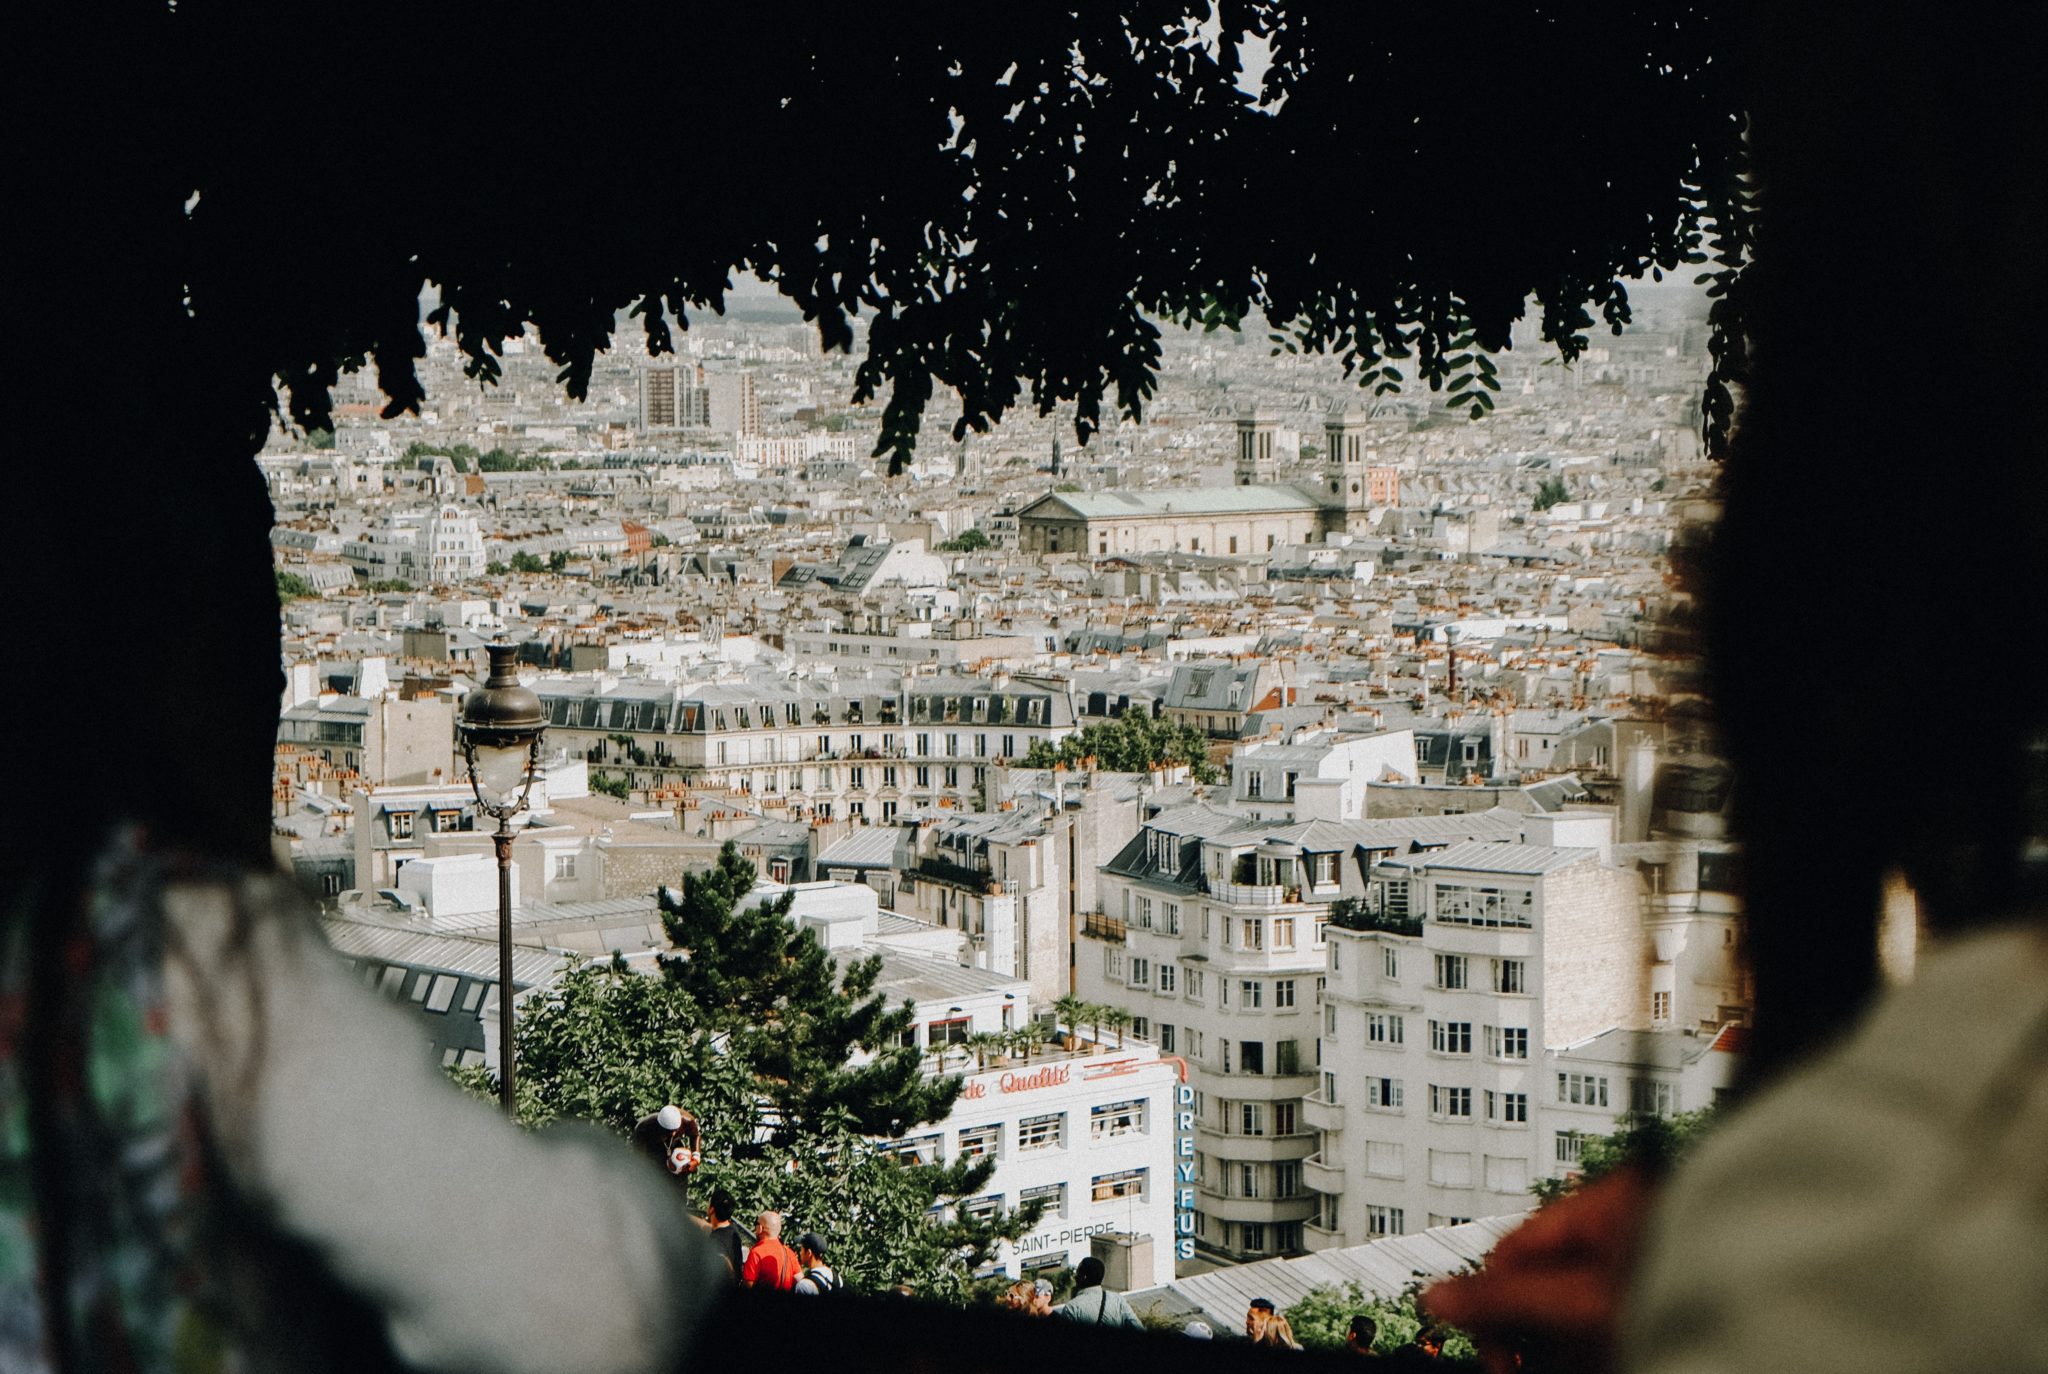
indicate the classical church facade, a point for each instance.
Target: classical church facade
{"x":1257,"y":514}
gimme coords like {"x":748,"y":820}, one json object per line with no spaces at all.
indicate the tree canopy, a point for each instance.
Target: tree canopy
{"x":1134,"y":742}
{"x":1058,"y":185}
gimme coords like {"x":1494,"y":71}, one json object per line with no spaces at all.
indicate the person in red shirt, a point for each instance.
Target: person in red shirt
{"x":770,"y":1264}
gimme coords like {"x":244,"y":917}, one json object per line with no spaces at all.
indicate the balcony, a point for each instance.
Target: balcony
{"x":1321,"y":1177}
{"x":1321,"y":1115}
{"x":1253,"y":1149}
{"x":955,"y":875}
{"x":1103,"y":927}
{"x":1248,"y":894}
{"x":1265,"y":1209}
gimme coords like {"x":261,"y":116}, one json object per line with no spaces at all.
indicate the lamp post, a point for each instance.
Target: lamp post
{"x":501,"y":730}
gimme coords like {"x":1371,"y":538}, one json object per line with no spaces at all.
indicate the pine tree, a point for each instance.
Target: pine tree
{"x":823,"y":1044}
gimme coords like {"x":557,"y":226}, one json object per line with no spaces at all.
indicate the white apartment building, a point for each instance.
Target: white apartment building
{"x":1089,"y":1130}
{"x":1320,"y":775}
{"x":1211,"y":934}
{"x":452,"y":548}
{"x":1490,"y":1007}
{"x":862,"y":750}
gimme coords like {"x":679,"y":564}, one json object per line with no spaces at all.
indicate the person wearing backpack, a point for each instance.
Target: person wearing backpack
{"x":818,"y":1276}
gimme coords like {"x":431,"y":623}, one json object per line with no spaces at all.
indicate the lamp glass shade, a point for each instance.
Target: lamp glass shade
{"x":500,"y":772}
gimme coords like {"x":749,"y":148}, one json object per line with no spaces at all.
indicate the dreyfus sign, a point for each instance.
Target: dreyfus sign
{"x":1184,"y":1173}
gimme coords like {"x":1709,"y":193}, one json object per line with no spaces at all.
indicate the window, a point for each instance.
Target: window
{"x":938,"y":1034}
{"x":1570,"y":1145}
{"x":1329,"y":1018}
{"x":1115,"y":1119}
{"x":1173,"y":918}
{"x":986,"y":1208}
{"x":1167,"y":975}
{"x":1459,"y":905}
{"x":977,"y":1141}
{"x":1251,"y":994}
{"x":1384,"y":1221}
{"x":565,"y":866}
{"x":401,"y":825}
{"x":1385,"y":1029}
{"x":392,"y":982}
{"x":1042,"y":1132}
{"x":1251,"y":1118}
{"x":1287,"y":1056}
{"x":1194,"y":985}
{"x":1113,"y":965}
{"x":1053,"y":1195}
{"x":1254,"y":935}
{"x":1450,"y":970}
{"x":1166,"y":1037}
{"x":1507,"y":1175}
{"x":1283,"y":994}
{"x":923,"y":1149}
{"x":1144,"y":913}
{"x":1141,"y":1028}
{"x":474,"y":998}
{"x":1504,"y":1042}
{"x":420,"y":986}
{"x":330,"y":884}
{"x":1325,"y":869}
{"x":1390,"y":963}
{"x":1450,"y":1102}
{"x":1510,"y":1108}
{"x":1384,"y":1158}
{"x":1254,"y":1233}
{"x":1648,"y":1097}
{"x":1450,"y":1168}
{"x":1141,"y":971}
{"x":1582,"y":1089}
{"x":1510,"y":975}
{"x":1287,"y":1178}
{"x":1660,"y":1008}
{"x":1383,"y":1094}
{"x":1450,"y":1037}
{"x":1283,"y":1118}
{"x":443,"y":993}
{"x":1283,"y":932}
{"x":1254,"y":783}
{"x":1108,"y":1187}
{"x":1247,"y":1180}
{"x":1251,"y":1056}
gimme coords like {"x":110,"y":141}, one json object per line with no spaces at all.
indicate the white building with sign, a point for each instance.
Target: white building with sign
{"x":1095,"y":1131}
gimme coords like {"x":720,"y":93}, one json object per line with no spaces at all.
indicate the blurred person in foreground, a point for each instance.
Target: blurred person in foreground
{"x":1876,"y":1197}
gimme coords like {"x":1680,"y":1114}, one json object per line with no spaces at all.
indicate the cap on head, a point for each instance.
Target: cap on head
{"x":813,"y":1242}
{"x":670,"y":1118}
{"x":1262,"y":1304}
{"x":1041,"y":1287}
{"x":1200,"y":1331}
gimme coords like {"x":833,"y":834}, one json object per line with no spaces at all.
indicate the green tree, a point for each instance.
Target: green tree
{"x":292,"y":587}
{"x":1654,"y":1142}
{"x":495,"y":569}
{"x":390,"y":584}
{"x":1551,"y":492}
{"x":611,"y":785}
{"x":1322,"y":1318}
{"x":524,"y":562}
{"x":792,"y":1013}
{"x":321,"y":438}
{"x":607,"y":1044}
{"x":1132,"y":743}
{"x":972,"y":541}
{"x":558,"y":560}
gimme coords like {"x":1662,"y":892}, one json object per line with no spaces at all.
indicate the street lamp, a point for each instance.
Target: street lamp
{"x":501,"y":730}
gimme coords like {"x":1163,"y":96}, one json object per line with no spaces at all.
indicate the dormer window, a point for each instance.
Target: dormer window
{"x":401,"y":825}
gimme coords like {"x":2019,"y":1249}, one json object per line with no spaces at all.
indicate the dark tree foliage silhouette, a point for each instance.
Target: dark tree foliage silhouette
{"x":1053,"y":184}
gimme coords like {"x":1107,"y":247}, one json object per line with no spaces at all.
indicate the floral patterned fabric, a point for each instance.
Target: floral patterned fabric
{"x":123,"y":1118}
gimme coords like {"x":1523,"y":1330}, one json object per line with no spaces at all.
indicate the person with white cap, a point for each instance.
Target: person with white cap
{"x":671,"y":1138}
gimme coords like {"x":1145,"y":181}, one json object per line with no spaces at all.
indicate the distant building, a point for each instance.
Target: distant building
{"x":673,"y":396}
{"x":1255,"y":516}
{"x":735,"y":406}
